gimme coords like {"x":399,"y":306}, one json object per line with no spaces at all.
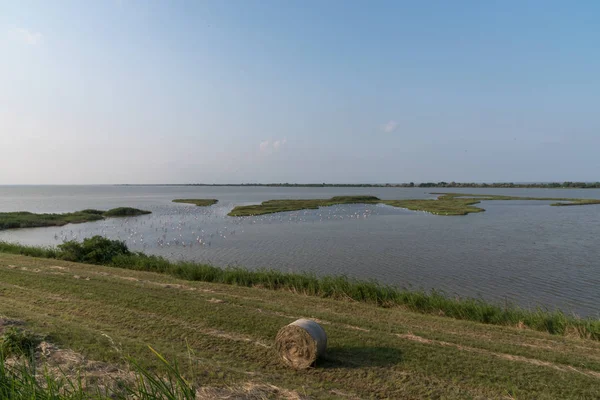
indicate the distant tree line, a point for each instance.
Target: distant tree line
{"x":551,"y":185}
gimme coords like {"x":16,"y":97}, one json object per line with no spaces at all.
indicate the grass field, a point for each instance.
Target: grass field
{"x":222,"y":336}
{"x":445,"y":204}
{"x":198,"y":202}
{"x":24,"y":219}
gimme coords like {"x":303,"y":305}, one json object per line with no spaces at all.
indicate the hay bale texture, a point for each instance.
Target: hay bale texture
{"x":300,"y":343}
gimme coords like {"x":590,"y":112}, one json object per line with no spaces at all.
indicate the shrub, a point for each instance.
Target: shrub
{"x":94,"y":250}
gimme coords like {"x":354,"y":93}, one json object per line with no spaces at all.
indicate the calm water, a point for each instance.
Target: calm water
{"x":524,"y":252}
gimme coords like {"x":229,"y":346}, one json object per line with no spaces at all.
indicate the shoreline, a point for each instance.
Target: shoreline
{"x":112,"y":253}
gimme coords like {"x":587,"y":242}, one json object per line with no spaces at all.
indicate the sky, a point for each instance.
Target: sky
{"x":123,"y":91}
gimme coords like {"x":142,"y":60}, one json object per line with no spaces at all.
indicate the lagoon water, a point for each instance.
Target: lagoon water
{"x":523,"y":252}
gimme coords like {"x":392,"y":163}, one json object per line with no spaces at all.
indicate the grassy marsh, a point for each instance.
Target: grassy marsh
{"x":124,"y":212}
{"x":275,"y":206}
{"x":198,"y":202}
{"x":445,"y":204}
{"x":24,"y":219}
{"x":222,"y":338}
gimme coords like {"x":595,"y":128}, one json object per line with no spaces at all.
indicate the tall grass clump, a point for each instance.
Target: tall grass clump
{"x":31,"y":251}
{"x":16,"y":342}
{"x":99,"y":250}
{"x":20,"y":382}
{"x":25,"y":381}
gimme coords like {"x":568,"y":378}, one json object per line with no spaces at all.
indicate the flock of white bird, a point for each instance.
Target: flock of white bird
{"x":185,"y":226}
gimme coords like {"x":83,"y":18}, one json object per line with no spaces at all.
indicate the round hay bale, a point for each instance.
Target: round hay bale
{"x":300,"y":343}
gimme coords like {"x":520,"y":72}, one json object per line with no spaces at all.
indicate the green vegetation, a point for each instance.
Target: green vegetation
{"x":275,"y":206}
{"x":445,"y":204}
{"x":24,"y":219}
{"x":94,"y":250}
{"x":577,"y":202}
{"x":198,"y":202}
{"x":222,"y":338}
{"x":462,"y":203}
{"x":125,"y":212}
{"x":23,"y":381}
{"x":99,"y":250}
{"x":17,"y":342}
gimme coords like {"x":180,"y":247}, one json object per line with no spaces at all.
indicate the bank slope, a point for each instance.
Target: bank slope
{"x":223,"y":335}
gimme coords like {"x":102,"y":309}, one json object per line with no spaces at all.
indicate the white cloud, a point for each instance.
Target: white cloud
{"x":30,"y":37}
{"x":390,"y":126}
{"x":269,"y":147}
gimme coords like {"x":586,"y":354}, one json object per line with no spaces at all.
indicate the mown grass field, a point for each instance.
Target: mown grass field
{"x":445,"y":204}
{"x":223,"y":337}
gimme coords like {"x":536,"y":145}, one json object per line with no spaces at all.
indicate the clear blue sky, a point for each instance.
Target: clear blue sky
{"x":121,"y":91}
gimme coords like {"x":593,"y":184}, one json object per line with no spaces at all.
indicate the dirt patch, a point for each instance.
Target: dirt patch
{"x":216,"y":301}
{"x":356,"y":328}
{"x":72,"y":365}
{"x":340,"y":393}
